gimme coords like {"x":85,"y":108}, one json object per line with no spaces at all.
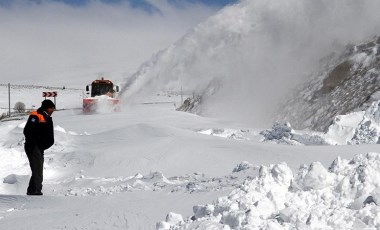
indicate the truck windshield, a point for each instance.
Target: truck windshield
{"x":101,"y":89}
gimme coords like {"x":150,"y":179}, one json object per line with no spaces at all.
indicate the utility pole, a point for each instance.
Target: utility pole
{"x":9,"y":99}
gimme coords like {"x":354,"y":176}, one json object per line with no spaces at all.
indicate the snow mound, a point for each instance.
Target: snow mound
{"x":344,"y":196}
{"x":12,"y":179}
{"x":171,"y":219}
{"x":284,"y":134}
{"x":81,"y":185}
{"x":226,"y":133}
{"x":361,"y":127}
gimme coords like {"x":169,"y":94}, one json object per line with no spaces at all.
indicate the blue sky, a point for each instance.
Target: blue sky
{"x":143,"y":4}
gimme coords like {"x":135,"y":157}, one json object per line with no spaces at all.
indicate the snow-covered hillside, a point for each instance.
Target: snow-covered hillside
{"x":348,"y":82}
{"x":248,"y":56}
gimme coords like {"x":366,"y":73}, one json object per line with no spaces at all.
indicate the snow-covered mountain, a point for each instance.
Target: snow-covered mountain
{"x":250,"y":55}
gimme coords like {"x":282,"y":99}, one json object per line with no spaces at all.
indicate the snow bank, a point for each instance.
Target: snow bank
{"x":82,"y":185}
{"x":343,"y":128}
{"x":279,"y":134}
{"x":226,"y":133}
{"x":361,"y":127}
{"x":284,"y":134}
{"x":344,"y":196}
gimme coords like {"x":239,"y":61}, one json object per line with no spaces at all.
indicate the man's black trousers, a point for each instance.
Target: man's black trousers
{"x":36,"y":162}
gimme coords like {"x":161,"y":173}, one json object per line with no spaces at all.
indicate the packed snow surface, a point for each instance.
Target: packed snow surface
{"x":152,"y":167}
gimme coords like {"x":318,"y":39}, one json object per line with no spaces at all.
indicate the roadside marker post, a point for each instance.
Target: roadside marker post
{"x":50,"y":94}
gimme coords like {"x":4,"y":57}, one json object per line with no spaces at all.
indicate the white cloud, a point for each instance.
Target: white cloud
{"x":50,"y":43}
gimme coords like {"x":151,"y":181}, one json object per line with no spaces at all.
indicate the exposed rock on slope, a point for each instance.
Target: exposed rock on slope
{"x":193,"y":103}
{"x":348,"y":83}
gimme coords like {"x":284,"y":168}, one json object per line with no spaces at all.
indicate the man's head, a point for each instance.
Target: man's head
{"x":48,"y":106}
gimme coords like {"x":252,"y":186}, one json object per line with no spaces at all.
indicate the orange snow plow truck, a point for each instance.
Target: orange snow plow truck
{"x":101,"y":95}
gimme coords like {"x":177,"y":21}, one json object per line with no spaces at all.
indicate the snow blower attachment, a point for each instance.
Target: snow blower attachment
{"x":101,"y":96}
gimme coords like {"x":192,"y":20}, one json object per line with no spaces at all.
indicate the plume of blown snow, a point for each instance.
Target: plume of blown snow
{"x":257,"y":50}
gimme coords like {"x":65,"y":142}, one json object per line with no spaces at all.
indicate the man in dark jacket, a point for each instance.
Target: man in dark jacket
{"x":39,"y":136}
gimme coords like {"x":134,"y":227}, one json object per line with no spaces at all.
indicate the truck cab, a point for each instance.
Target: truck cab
{"x":99,"y":91}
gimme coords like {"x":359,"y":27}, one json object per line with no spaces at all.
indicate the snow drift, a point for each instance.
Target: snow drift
{"x":344,"y":196}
